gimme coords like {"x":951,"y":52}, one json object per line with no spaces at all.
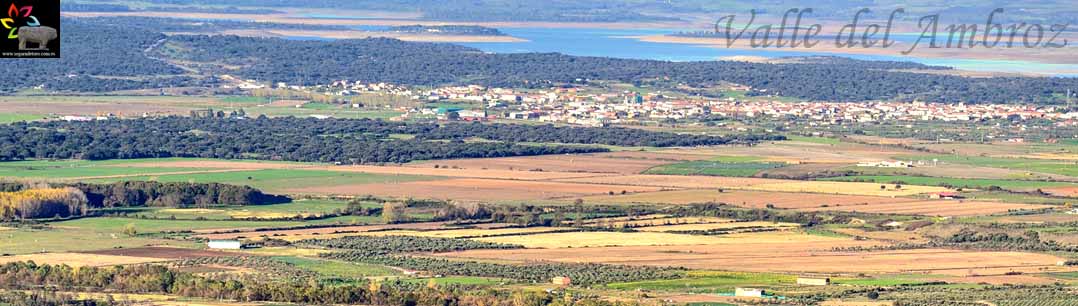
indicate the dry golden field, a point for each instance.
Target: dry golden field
{"x":819,"y":202}
{"x":600,"y":239}
{"x":846,"y":188}
{"x":79,"y":260}
{"x":675,"y":181}
{"x":744,"y":198}
{"x":718,"y":226}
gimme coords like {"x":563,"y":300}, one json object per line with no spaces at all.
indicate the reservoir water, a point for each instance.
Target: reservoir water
{"x":621,"y":43}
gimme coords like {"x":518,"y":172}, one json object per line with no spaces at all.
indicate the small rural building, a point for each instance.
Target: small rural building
{"x":946,"y":195}
{"x":893,"y":224}
{"x":225,"y":244}
{"x":814,"y":281}
{"x":562,"y":281}
{"x":749,"y":292}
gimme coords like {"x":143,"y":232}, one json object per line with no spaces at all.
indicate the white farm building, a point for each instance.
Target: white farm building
{"x":225,"y":244}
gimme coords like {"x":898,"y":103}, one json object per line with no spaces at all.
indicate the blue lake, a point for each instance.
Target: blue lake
{"x":619,"y":43}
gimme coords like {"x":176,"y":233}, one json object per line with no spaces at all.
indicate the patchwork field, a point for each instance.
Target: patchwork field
{"x":477,"y":189}
{"x":745,"y":198}
{"x":869,"y":189}
{"x":788,"y":257}
{"x":601,"y":239}
{"x":447,"y":233}
{"x":239,"y":233}
{"x":959,"y":182}
{"x":300,"y":207}
{"x":1061,"y":169}
{"x":935,"y":208}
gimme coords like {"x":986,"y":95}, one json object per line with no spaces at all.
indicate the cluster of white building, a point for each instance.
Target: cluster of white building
{"x":591,"y":106}
{"x":830,"y":112}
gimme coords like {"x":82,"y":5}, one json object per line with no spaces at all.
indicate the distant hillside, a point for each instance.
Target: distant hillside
{"x":971,"y":11}
{"x":137,"y":59}
{"x":394,"y":61}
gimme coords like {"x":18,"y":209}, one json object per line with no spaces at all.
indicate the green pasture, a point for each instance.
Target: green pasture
{"x":26,"y":241}
{"x":709,"y":282}
{"x":734,"y":166}
{"x":279,"y":179}
{"x":6,"y":118}
{"x":301,"y":207}
{"x":1068,"y":168}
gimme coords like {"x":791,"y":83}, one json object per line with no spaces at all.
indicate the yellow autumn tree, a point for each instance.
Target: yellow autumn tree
{"x":42,"y":203}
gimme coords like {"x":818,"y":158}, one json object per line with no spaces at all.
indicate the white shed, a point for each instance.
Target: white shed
{"x":748,"y":292}
{"x":225,"y":244}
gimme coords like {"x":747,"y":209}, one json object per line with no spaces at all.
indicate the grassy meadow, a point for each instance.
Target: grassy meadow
{"x":734,"y":166}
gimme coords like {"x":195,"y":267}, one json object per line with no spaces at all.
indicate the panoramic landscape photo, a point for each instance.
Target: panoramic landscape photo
{"x":522,"y":153}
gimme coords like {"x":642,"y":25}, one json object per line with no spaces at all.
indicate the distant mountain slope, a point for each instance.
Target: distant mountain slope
{"x":1058,"y":11}
{"x":389,"y":60}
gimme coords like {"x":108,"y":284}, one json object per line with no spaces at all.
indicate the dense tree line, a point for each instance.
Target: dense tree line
{"x":69,"y":6}
{"x":312,"y":140}
{"x":382,"y":245}
{"x":159,"y":279}
{"x":756,"y":214}
{"x":90,"y":50}
{"x":394,"y":61}
{"x":446,"y":30}
{"x":464,"y":10}
{"x":174,"y":25}
{"x":158,"y":194}
{"x":1029,"y":241}
{"x":146,"y":193}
